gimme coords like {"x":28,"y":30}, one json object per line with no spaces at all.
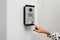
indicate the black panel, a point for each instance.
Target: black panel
{"x":24,"y":14}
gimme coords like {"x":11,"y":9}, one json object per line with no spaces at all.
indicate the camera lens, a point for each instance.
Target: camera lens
{"x":30,"y":9}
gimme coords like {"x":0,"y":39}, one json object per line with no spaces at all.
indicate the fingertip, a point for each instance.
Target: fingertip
{"x":33,"y":22}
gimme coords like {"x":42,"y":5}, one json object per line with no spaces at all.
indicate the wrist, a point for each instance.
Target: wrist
{"x":47,"y":32}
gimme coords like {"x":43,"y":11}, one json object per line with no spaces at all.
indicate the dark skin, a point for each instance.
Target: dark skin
{"x":40,"y":29}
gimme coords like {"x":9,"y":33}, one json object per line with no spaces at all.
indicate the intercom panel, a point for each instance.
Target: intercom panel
{"x":29,"y":13}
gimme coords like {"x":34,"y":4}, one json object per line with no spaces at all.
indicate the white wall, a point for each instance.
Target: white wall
{"x":15,"y":28}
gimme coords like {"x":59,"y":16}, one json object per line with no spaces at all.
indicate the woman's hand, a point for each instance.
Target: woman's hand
{"x":40,"y":29}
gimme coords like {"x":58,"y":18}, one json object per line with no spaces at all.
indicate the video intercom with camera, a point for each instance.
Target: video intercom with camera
{"x":29,"y":13}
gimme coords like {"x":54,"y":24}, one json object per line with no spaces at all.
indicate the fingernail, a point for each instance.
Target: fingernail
{"x":33,"y":30}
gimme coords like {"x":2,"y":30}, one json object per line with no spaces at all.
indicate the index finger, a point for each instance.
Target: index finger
{"x":34,"y":23}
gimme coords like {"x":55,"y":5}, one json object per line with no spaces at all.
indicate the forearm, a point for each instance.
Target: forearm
{"x":53,"y":35}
